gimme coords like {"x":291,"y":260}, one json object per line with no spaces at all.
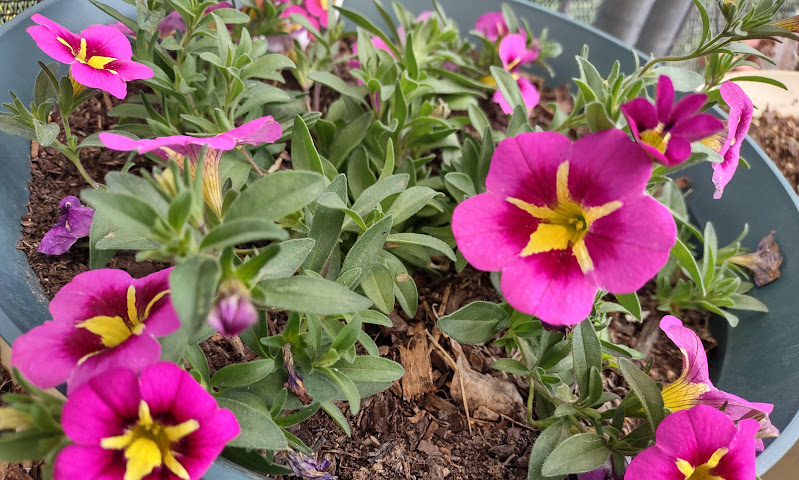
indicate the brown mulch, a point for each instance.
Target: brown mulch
{"x":779,"y":138}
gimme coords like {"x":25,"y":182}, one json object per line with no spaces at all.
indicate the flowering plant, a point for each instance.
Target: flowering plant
{"x":402,"y":172}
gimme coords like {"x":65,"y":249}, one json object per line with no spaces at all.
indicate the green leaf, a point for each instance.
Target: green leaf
{"x":424,"y":241}
{"x":303,"y":151}
{"x":631,"y":303}
{"x":578,"y":454}
{"x":277,"y":194}
{"x":28,"y":445}
{"x":409,"y":202}
{"x":508,"y":87}
{"x":258,"y":430}
{"x":683,"y":80}
{"x":373,"y":195}
{"x":266,"y":66}
{"x":759,"y":79}
{"x":511,"y":366}
{"x":331,"y":409}
{"x":364,"y":23}
{"x":348,"y":335}
{"x":366,"y":250}
{"x":747,"y":302}
{"x":687,"y":261}
{"x":242,"y":374}
{"x":587,"y":353}
{"x":332,"y":81}
{"x":197,"y":360}
{"x":347,"y":387}
{"x":192,"y":287}
{"x":646,"y":390}
{"x":378,"y":285}
{"x":348,"y":138}
{"x":310,"y":295}
{"x":365,"y":370}
{"x":126,"y":210}
{"x":46,"y":134}
{"x":477,"y":322}
{"x":242,"y":231}
{"x":543,"y":447}
{"x":285,"y":263}
{"x":597,"y":117}
{"x":326,"y":227}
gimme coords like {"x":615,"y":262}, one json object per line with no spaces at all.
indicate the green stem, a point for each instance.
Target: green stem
{"x":75,"y":158}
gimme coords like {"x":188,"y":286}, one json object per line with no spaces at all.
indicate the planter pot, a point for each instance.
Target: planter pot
{"x":757,"y":360}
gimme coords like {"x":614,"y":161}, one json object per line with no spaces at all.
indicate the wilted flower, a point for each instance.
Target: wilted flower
{"x":513,"y":52}
{"x":178,"y":147}
{"x":102,"y":319}
{"x":100,"y":57}
{"x":764,"y":262}
{"x":492,"y":25}
{"x":163,"y":425}
{"x":562,"y":220}
{"x":694,"y":387}
{"x":294,"y":382}
{"x":308,"y":467}
{"x":233,"y":311}
{"x":666,"y":130}
{"x":736,"y":130}
{"x":75,"y":223}
{"x":698,"y":444}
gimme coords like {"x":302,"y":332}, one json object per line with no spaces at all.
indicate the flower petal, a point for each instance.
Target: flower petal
{"x":102,"y":79}
{"x":135,"y":353}
{"x":48,"y":337}
{"x":256,"y":132}
{"x":529,"y":93}
{"x":129,"y":70}
{"x":640,"y":115}
{"x":46,"y":37}
{"x":664,"y":98}
{"x":630,"y":245}
{"x":739,"y":462}
{"x":202,"y":447}
{"x":550,"y":286}
{"x":57,"y":241}
{"x":686,"y":107}
{"x":697,"y":127}
{"x":78,"y":462}
{"x":80,"y":221}
{"x":106,"y":41}
{"x":689,"y":343}
{"x":168,"y":388}
{"x":490,"y":231}
{"x":512,"y":50}
{"x":653,"y":464}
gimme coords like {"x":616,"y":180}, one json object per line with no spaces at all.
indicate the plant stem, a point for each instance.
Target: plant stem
{"x":250,"y":159}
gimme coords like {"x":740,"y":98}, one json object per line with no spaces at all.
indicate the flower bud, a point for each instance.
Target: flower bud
{"x":233,"y":312}
{"x":13,"y":419}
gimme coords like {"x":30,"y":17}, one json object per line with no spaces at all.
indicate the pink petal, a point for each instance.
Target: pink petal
{"x":490,"y":231}
{"x":48,"y":337}
{"x":202,"y":447}
{"x":162,"y":319}
{"x":687,"y":106}
{"x":697,"y":127}
{"x":168,"y":388}
{"x":640,"y":115}
{"x":690,"y":344}
{"x":499,"y":99}
{"x":550,"y":286}
{"x":102,"y":79}
{"x":301,"y":11}
{"x":677,"y":151}
{"x":103,"y":407}
{"x":530,"y":94}
{"x":105,"y":41}
{"x":256,"y":132}
{"x":724,"y":171}
{"x":653,"y":464}
{"x":629,"y":246}
{"x":91,"y":293}
{"x":511,"y":48}
{"x":739,"y":462}
{"x":120,"y":143}
{"x":89,"y":463}
{"x":315,"y":8}
{"x":607,"y":166}
{"x":694,"y":435}
{"x":46,"y":37}
{"x":135,"y":353}
{"x":664,"y":97}
{"x":129,"y":70}
{"x":80,"y":221}
{"x":525,"y":167}
{"x":492,"y":25}
{"x":57,"y":240}
{"x":740,"y":118}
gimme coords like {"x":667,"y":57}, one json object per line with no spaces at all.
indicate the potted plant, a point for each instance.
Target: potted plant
{"x":756,"y":337}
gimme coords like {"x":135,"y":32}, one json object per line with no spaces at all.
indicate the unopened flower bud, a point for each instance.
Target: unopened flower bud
{"x":233,"y":312}
{"x":166,"y":179}
{"x":13,"y":419}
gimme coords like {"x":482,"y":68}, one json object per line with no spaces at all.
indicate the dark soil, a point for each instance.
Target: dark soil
{"x":779,"y":138}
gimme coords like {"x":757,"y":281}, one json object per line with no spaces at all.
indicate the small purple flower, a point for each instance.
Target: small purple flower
{"x":698,"y":444}
{"x":233,"y":312}
{"x":308,"y":467}
{"x":492,"y":25}
{"x":163,"y":426}
{"x":76,"y":222}
{"x":102,"y":319}
{"x":665,"y":130}
{"x":737,"y":128}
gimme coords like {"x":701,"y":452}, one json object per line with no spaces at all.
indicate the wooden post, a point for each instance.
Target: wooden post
{"x":665,"y":21}
{"x":624,"y":19}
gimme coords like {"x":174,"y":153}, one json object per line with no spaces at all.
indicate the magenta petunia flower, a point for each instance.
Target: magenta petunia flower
{"x":529,"y":92}
{"x":694,"y":387}
{"x":319,"y":8}
{"x":561,"y":220}
{"x":665,"y":130}
{"x":178,"y":147}
{"x":698,"y":444}
{"x":162,"y":426}
{"x":75,"y":223}
{"x":100,"y":57}
{"x":513,"y":52}
{"x":102,"y":319}
{"x":736,"y":130}
{"x":492,"y":25}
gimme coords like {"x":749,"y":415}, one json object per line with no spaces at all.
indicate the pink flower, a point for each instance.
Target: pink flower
{"x":694,"y":387}
{"x":75,"y":223}
{"x":513,"y":52}
{"x":178,"y":147}
{"x":700,"y":443}
{"x":492,"y":25}
{"x":102,"y":319}
{"x":124,"y":29}
{"x":100,"y":57}
{"x":233,"y":311}
{"x":666,"y":130}
{"x":174,"y":22}
{"x":319,"y":8}
{"x":162,"y":426}
{"x":561,"y":220}
{"x":736,"y":130}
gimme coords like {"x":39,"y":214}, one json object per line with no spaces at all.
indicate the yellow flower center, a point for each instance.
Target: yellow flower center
{"x":704,"y":471}
{"x":564,"y":225}
{"x":682,"y":395}
{"x":656,"y":138}
{"x":148,"y":444}
{"x":323,"y":4}
{"x":95,"y":61}
{"x":115,"y":330}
